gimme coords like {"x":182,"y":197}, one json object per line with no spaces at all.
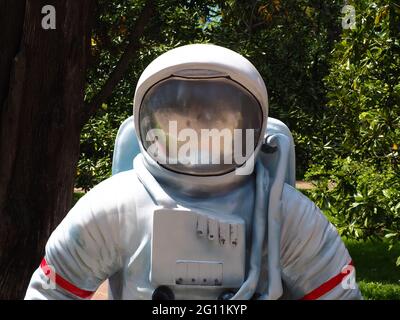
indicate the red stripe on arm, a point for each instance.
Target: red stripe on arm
{"x":65,"y":284}
{"x":327,"y":286}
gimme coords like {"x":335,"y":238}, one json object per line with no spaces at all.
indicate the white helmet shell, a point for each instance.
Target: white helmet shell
{"x":203,"y":60}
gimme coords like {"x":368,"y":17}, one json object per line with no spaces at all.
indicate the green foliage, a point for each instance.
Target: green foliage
{"x":362,"y":201}
{"x":97,"y":143}
{"x":358,"y":164}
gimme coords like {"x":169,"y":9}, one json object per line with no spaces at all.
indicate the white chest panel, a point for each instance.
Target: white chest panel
{"x":197,"y":249}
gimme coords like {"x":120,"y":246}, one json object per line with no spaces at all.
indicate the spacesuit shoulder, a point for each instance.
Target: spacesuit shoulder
{"x":304,"y":226}
{"x":313,"y":256}
{"x":292,"y":199}
{"x":101,"y":215}
{"x":110,"y":193}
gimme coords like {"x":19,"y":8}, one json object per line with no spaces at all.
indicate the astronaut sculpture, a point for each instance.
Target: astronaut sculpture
{"x":186,"y":220}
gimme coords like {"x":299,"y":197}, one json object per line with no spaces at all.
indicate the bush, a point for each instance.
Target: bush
{"x":97,"y":145}
{"x":362,"y":201}
{"x":358,"y":167}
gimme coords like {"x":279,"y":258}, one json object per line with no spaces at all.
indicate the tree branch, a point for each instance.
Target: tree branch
{"x":123,"y":63}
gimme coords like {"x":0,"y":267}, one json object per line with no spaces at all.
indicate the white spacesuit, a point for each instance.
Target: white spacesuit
{"x":178,"y":227}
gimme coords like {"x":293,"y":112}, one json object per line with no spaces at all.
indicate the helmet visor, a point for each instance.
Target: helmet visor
{"x":200,"y":126}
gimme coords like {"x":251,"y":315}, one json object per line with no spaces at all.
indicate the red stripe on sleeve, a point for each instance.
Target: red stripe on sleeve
{"x":327,"y":286}
{"x":61,"y":282}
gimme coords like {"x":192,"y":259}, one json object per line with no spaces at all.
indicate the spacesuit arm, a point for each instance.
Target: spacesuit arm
{"x":315,"y":262}
{"x":81,"y":253}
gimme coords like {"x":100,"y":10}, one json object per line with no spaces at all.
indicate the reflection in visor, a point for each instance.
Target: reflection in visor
{"x":200,"y":126}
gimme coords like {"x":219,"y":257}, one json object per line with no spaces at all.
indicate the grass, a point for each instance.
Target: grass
{"x":376,"y":270}
{"x":76,"y":196}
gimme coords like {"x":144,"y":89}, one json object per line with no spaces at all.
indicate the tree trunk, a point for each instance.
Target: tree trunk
{"x":42,"y":79}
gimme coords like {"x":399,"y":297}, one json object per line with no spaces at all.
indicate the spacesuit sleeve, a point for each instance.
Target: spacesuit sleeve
{"x":315,"y":262}
{"x":81,"y":253}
